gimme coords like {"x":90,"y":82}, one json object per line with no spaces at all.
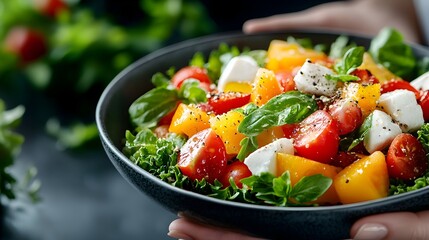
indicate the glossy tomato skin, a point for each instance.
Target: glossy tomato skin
{"x":194,"y":72}
{"x":317,"y":138}
{"x":50,"y":8}
{"x":237,"y":171}
{"x":222,"y":102}
{"x":347,"y":115}
{"x":203,"y":156}
{"x":344,"y":159}
{"x":28,"y":44}
{"x":285,"y":79}
{"x":395,"y":84}
{"x":406,"y":158}
{"x":424,"y":103}
{"x":365,"y":76}
{"x":289,"y":129}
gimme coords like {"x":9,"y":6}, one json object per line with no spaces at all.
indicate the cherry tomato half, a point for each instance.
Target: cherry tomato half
{"x":406,"y":158}
{"x":347,"y":114}
{"x":237,"y":171}
{"x":316,"y":137}
{"x":194,"y":72}
{"x":28,"y":44}
{"x":222,"y":102}
{"x":203,"y":156}
{"x":395,"y":84}
{"x":365,"y":76}
{"x":285,"y":79}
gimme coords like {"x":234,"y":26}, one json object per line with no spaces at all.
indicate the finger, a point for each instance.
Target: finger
{"x":186,"y":229}
{"x":324,"y":15}
{"x":401,"y":225}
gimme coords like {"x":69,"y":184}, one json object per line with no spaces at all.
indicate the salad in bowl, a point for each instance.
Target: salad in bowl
{"x":292,"y":125}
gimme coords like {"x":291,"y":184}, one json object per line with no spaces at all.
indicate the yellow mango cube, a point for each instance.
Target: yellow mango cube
{"x":269,"y":135}
{"x":265,"y":87}
{"x":226,"y":127}
{"x":365,"y":179}
{"x":366,"y":96}
{"x":188,"y":120}
{"x":300,"y":167}
{"x":378,"y":70}
{"x":285,"y":56}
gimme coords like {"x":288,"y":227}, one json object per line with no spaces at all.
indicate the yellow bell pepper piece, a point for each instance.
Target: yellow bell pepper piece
{"x":365,"y":179}
{"x":300,"y":167}
{"x":188,"y":120}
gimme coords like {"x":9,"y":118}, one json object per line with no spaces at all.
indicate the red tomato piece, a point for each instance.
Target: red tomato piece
{"x":28,"y":44}
{"x":343,"y":159}
{"x":203,"y":156}
{"x":166,"y":120}
{"x":285,"y":79}
{"x":424,"y":103}
{"x":50,"y":8}
{"x":316,"y":137}
{"x":237,"y":171}
{"x":347,"y":114}
{"x":194,"y":72}
{"x":289,"y":129}
{"x":395,"y":84}
{"x":222,"y":102}
{"x":406,"y":158}
{"x":365,"y":76}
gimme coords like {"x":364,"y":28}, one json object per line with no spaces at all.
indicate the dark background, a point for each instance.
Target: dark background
{"x":83,"y":196}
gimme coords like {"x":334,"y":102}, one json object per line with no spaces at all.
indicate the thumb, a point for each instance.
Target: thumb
{"x":400,"y":225}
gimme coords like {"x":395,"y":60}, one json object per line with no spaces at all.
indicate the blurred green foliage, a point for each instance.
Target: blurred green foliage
{"x":88,"y":45}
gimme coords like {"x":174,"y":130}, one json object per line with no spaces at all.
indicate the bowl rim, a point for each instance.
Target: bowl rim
{"x":107,"y":141}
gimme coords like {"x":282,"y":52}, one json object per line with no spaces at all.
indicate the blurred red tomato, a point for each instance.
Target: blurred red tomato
{"x":50,"y":8}
{"x":28,"y":44}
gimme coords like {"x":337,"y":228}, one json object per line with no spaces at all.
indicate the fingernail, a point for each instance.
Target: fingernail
{"x":178,"y":235}
{"x":371,"y":231}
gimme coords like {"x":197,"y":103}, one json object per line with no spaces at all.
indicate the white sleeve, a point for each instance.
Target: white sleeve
{"x":422,"y":10}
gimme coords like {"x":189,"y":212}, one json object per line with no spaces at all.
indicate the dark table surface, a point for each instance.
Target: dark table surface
{"x":82,"y":194}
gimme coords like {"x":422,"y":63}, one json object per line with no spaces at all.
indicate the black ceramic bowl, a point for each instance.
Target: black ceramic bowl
{"x":325,"y":222}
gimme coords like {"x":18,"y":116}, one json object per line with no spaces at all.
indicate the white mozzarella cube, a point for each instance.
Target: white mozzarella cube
{"x":381,"y":133}
{"x":238,"y":69}
{"x":402,"y":106}
{"x":422,"y":82}
{"x":264,"y":158}
{"x":311,"y":79}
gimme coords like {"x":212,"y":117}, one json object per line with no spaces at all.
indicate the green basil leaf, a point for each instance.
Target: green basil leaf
{"x":248,"y":145}
{"x":363,"y":131}
{"x":282,"y":185}
{"x":191,"y":92}
{"x":339,"y":47}
{"x":152,"y":106}
{"x":341,"y":77}
{"x":160,"y":80}
{"x":353,"y":59}
{"x":389,"y":49}
{"x":310,"y":188}
{"x":289,"y":107}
